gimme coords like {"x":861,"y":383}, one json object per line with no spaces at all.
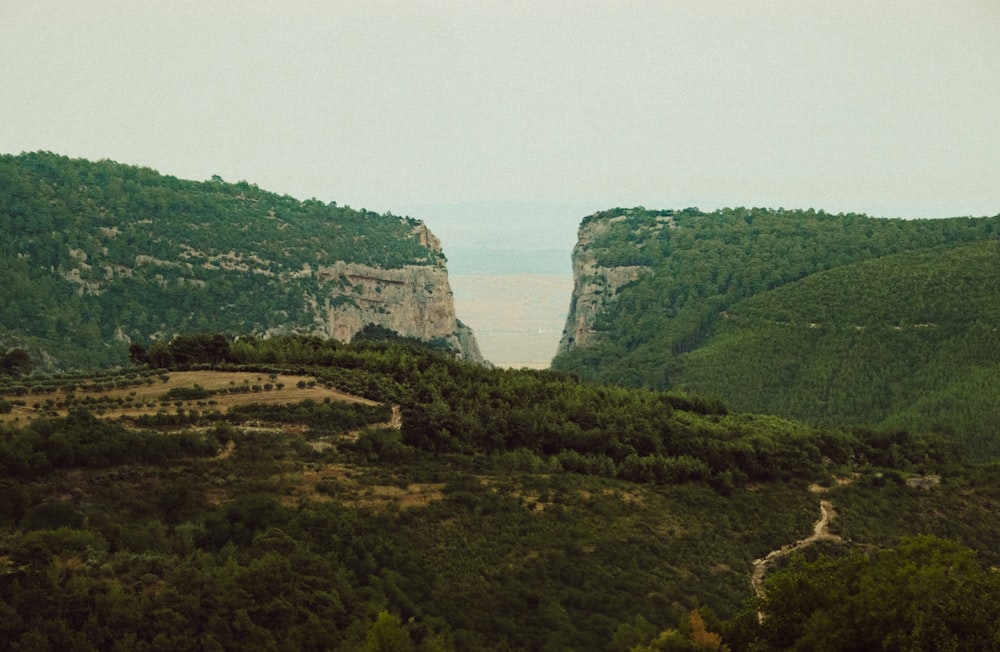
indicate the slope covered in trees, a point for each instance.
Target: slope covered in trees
{"x":736,"y":303}
{"x":909,"y":341}
{"x":97,"y":253}
{"x":513,"y":510}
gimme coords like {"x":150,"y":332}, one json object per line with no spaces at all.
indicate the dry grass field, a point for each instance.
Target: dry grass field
{"x":150,"y":397}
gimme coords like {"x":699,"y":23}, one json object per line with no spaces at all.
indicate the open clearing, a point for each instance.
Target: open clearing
{"x":231,"y":388}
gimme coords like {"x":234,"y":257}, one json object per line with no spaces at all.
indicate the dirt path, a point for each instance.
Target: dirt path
{"x":821,"y":532}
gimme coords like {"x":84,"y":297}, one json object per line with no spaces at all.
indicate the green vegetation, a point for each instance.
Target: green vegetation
{"x":907,"y":341}
{"x":96,"y":254}
{"x":838,"y":320}
{"x":832,"y":604}
{"x":513,"y":510}
{"x":474,"y":508}
{"x":640,"y":435}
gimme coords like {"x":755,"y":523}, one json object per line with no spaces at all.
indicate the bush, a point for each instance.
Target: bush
{"x":186,"y":393}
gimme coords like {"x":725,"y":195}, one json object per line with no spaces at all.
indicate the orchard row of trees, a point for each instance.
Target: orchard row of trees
{"x":640,"y":435}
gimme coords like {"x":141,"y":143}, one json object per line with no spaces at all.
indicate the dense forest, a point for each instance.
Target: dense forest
{"x":859,"y":350}
{"x":508,"y":510}
{"x":97,"y":253}
{"x":838,"y":320}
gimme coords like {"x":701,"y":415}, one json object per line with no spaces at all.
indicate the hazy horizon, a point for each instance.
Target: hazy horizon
{"x":887,"y":109}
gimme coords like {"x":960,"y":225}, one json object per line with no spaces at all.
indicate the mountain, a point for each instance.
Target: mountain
{"x":839,"y":320}
{"x":97,"y":255}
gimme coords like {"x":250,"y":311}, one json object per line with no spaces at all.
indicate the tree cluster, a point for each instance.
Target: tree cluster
{"x":924,"y":594}
{"x":15,"y":363}
{"x":634,"y":434}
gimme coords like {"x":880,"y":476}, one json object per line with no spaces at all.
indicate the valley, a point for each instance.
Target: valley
{"x":489,"y":511}
{"x":233,"y":420}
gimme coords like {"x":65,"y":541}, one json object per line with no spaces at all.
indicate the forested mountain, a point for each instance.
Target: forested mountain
{"x":273,"y":491}
{"x":489,"y":510}
{"x":94,"y":255}
{"x":835,"y":319}
{"x":908,"y":341}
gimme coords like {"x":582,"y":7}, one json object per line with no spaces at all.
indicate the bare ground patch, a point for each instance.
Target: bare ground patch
{"x":145,"y":399}
{"x":341,"y":482}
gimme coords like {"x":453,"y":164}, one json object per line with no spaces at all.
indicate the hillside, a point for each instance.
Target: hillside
{"x":96,"y":255}
{"x":554,"y":515}
{"x":908,"y":341}
{"x":660,"y":295}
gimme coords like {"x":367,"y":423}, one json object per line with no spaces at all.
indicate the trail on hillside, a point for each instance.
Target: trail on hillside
{"x":821,"y":532}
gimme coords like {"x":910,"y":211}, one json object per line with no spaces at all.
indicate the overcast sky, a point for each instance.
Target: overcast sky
{"x":889,"y":107}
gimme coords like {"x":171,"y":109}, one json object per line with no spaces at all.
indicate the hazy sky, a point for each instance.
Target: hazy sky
{"x":888,"y":107}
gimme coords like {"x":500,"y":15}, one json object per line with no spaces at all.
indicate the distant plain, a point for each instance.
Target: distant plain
{"x":517,"y":318}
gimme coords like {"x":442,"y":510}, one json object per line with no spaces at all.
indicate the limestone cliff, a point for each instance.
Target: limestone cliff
{"x":415,"y":301}
{"x":102,"y":255}
{"x":594,"y":286}
{"x":341,"y":298}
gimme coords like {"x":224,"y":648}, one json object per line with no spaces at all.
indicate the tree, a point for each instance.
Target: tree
{"x":691,"y":636}
{"x":389,"y":634}
{"x":16,"y":362}
{"x":137,"y":354}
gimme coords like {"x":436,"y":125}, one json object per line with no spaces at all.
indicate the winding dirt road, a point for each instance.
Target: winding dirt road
{"x":821,"y":532}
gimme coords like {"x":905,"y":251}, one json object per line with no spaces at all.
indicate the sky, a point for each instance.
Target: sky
{"x":504,"y":123}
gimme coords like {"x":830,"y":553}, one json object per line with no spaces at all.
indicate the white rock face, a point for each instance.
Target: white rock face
{"x":594,"y":287}
{"x":414,"y":301}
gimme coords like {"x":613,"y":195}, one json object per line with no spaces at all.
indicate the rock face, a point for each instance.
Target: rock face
{"x":341,"y":298}
{"x":594,"y":286}
{"x":415,"y":301}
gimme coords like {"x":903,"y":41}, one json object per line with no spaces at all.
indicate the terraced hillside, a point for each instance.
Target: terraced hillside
{"x":496,"y":510}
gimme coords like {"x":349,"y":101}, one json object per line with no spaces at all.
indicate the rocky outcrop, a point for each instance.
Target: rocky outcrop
{"x":468,"y":345}
{"x":414,"y":301}
{"x":594,"y":286}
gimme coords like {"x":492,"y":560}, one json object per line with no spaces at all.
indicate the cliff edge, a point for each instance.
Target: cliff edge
{"x":414,"y":301}
{"x":594,"y":286}
{"x":100,"y":255}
